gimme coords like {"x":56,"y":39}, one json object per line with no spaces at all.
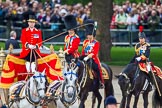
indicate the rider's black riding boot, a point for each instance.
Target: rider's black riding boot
{"x":151,"y":79}
{"x":101,"y":84}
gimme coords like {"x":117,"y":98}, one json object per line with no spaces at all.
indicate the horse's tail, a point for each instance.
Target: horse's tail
{"x":156,"y":100}
{"x":109,"y":90}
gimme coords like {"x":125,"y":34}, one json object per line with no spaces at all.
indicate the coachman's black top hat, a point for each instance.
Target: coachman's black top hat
{"x":32,"y":18}
{"x":70,"y":22}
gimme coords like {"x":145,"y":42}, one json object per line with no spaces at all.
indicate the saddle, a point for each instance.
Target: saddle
{"x":93,"y":74}
{"x":156,"y":70}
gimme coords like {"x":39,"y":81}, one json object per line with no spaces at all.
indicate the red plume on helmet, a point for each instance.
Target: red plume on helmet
{"x":141,"y":28}
{"x":141,"y":34}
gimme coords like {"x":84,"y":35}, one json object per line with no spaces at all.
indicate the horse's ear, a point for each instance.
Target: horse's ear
{"x":44,"y":71}
{"x":76,"y":69}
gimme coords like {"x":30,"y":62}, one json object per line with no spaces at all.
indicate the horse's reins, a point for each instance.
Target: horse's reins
{"x":48,"y":65}
{"x":58,"y":36}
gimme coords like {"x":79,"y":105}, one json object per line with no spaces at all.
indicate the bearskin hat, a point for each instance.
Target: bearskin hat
{"x":70,"y":22}
{"x":90,"y":27}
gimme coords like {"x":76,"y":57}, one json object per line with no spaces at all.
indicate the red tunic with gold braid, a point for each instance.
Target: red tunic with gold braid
{"x":71,"y":44}
{"x":92,"y":47}
{"x":33,"y":37}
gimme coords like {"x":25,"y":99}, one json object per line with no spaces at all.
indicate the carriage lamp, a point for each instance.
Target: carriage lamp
{"x":2,"y":58}
{"x":10,"y":48}
{"x":62,"y":57}
{"x":52,"y":49}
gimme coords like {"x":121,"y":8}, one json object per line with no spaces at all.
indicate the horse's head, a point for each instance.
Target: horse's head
{"x":70,"y":76}
{"x":124,"y":83}
{"x":38,"y":81}
{"x":125,"y":77}
{"x":70,"y":85}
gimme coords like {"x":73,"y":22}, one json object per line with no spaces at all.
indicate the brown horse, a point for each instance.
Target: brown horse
{"x":87,"y":84}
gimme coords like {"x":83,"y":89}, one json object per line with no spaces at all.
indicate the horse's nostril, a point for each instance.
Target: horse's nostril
{"x":70,"y":95}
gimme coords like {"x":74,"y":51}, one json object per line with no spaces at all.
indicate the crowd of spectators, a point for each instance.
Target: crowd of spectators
{"x":131,"y":15}
{"x":47,"y":13}
{"x":127,"y":16}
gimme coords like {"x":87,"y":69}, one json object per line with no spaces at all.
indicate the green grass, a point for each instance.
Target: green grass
{"x":121,"y":56}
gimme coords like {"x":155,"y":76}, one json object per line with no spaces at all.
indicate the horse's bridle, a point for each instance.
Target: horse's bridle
{"x":128,"y":79}
{"x":27,"y":91}
{"x":34,"y":78}
{"x":72,"y":66}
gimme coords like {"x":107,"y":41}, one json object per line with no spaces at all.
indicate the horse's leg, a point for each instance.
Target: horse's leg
{"x":136,"y":101}
{"x":145,"y":98}
{"x":123,"y":101}
{"x":83,"y":98}
{"x":109,"y":90}
{"x":4,"y":96}
{"x":128,"y":100}
{"x":52,"y":104}
{"x":93,"y":100}
{"x":99,"y":97}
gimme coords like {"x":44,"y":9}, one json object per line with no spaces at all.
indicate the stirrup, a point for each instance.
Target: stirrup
{"x":101,"y":85}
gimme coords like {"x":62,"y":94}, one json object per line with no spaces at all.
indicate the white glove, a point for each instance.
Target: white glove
{"x":65,"y":52}
{"x":138,"y":58}
{"x":148,"y":67}
{"x":31,"y":46}
{"x":86,"y":58}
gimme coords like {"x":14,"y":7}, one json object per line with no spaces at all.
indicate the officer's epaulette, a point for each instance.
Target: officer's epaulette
{"x":85,"y":42}
{"x":66,"y":38}
{"x":95,"y":40}
{"x":147,"y":44}
{"x":76,"y":35}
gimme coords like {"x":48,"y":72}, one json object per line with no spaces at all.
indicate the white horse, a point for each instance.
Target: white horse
{"x":30,"y":93}
{"x":65,"y":93}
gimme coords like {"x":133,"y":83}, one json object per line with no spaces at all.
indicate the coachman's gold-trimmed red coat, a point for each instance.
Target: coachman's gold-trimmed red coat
{"x":14,"y":67}
{"x":30,"y":37}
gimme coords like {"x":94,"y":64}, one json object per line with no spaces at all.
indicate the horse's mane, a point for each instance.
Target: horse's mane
{"x":129,"y":68}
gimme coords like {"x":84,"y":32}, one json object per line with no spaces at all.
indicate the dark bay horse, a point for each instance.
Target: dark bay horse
{"x":87,"y":84}
{"x":133,"y":81}
{"x":157,"y":97}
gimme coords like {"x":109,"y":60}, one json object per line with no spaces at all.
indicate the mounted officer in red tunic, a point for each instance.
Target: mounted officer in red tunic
{"x":90,"y":50}
{"x":72,"y":40}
